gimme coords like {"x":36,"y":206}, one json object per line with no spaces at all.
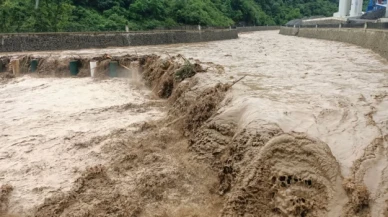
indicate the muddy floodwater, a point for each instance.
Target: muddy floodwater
{"x":334,"y":93}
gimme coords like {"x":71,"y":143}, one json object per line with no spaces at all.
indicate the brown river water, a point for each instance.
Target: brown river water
{"x":333,"y":92}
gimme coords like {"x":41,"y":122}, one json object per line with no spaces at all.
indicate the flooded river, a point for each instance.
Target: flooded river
{"x":333,"y":92}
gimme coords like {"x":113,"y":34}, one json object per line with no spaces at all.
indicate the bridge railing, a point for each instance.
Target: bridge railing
{"x":368,"y":25}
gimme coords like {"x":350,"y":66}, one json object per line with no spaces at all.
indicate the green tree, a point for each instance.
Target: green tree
{"x":204,"y":12}
{"x":113,"y":15}
{"x":52,"y":16}
{"x":13,"y":15}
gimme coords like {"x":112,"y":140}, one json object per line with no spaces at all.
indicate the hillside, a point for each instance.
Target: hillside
{"x":113,"y":15}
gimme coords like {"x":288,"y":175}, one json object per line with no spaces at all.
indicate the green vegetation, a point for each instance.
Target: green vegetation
{"x":113,"y":15}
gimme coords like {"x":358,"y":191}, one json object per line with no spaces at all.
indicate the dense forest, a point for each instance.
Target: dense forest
{"x":114,"y":15}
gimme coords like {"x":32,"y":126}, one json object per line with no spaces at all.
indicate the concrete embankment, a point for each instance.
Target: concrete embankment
{"x":375,"y":40}
{"x":74,"y":41}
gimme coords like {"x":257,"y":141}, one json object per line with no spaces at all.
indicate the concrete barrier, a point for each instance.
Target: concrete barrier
{"x":257,"y":28}
{"x":325,"y":20}
{"x":289,"y":31}
{"x":15,"y":67}
{"x":74,"y":41}
{"x":376,"y":40}
{"x":93,"y":66}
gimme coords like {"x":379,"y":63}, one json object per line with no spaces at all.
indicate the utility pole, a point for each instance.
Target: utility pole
{"x":36,"y":4}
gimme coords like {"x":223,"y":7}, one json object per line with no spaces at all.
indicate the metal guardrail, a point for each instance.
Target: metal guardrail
{"x":366,"y":25}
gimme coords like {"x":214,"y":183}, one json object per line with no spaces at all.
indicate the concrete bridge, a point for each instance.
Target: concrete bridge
{"x":350,"y":8}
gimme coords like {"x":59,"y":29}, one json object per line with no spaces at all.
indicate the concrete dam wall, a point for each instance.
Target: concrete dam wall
{"x":376,"y":40}
{"x":257,"y":28}
{"x":74,"y":41}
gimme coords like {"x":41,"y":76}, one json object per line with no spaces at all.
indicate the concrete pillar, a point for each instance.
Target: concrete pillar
{"x":356,"y":8}
{"x":93,"y":66}
{"x":134,"y":69}
{"x":386,"y":11}
{"x":361,"y":2}
{"x":16,"y":67}
{"x":343,"y":8}
{"x":353,"y":8}
{"x":348,"y":6}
